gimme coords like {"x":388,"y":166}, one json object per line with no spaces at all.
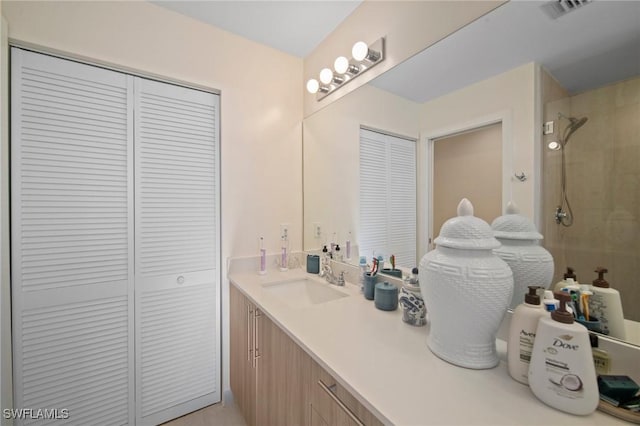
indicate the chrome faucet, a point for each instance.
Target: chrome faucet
{"x":331,"y":278}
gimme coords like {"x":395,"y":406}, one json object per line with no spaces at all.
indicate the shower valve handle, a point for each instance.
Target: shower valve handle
{"x":559,"y":214}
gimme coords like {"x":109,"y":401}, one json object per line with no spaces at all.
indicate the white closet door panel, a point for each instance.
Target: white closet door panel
{"x":76,"y":357}
{"x":52,"y":215}
{"x":177,"y":271}
{"x":178,"y":346}
{"x":373,"y":195}
{"x":402,"y":200}
{"x":388,"y":197}
{"x":176,"y":163}
{"x":72,"y":239}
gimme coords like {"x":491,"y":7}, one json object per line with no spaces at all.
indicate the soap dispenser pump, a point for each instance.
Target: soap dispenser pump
{"x":605,"y":304}
{"x":561,"y":372}
{"x":337,"y":254}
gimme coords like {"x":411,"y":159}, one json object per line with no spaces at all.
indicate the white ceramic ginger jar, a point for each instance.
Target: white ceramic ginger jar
{"x":467,"y":290}
{"x":531,"y":264}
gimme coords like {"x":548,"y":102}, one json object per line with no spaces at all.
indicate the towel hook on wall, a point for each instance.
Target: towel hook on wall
{"x":521,"y":177}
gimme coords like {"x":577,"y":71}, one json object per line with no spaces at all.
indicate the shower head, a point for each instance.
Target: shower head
{"x":577,"y":122}
{"x":574,"y":124}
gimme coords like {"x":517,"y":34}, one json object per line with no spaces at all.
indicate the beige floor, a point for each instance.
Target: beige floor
{"x":213,"y":415}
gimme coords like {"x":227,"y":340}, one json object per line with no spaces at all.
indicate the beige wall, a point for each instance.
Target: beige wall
{"x":603,"y":177}
{"x":332,"y":157}
{"x":468,"y":165}
{"x":261,"y":103}
{"x":409,"y":27}
{"x":510,"y":97}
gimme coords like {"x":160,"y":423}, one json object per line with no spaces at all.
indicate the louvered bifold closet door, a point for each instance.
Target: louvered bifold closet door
{"x":388,"y":197}
{"x":177,"y":266}
{"x":72,"y":241}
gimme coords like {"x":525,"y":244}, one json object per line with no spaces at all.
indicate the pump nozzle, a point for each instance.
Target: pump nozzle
{"x":600,"y":281}
{"x":561,"y":314}
{"x":570,"y":274}
{"x":532,"y":298}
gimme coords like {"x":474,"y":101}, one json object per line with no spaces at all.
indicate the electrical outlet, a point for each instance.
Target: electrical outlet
{"x":284,"y":231}
{"x":548,"y":128}
{"x":317,"y":230}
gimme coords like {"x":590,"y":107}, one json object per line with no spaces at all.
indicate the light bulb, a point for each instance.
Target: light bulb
{"x":341,"y":65}
{"x":313,"y":85}
{"x":360,"y":51}
{"x":326,"y":75}
{"x":554,"y":146}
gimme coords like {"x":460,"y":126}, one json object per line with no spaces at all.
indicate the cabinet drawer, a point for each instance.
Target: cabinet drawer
{"x":334,"y":404}
{"x":317,"y":419}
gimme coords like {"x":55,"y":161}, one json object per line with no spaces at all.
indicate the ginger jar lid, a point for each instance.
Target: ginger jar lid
{"x":466,"y":231}
{"x":514,"y":226}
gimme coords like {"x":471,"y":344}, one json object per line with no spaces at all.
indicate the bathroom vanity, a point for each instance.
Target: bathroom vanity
{"x":324,"y":358}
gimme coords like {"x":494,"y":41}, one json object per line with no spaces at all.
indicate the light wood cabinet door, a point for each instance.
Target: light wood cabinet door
{"x":275,"y":382}
{"x":242,"y":372}
{"x":283,"y":377}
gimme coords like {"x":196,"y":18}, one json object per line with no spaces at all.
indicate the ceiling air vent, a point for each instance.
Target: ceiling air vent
{"x":558,"y":8}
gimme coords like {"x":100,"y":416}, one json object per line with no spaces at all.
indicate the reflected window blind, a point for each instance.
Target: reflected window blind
{"x":387,"y":197}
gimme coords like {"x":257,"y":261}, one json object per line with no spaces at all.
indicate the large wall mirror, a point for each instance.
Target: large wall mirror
{"x":473,"y":105}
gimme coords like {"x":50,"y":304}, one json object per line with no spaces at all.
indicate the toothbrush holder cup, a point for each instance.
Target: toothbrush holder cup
{"x":369,"y":285}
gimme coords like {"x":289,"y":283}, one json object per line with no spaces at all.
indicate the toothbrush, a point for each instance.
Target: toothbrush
{"x":576,"y":302}
{"x":585,"y":304}
{"x":392,"y":259}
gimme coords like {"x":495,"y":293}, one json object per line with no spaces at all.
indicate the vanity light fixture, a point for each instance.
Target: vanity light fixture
{"x":326,"y":76}
{"x":313,"y":86}
{"x":364,"y":57}
{"x":341,"y":65}
{"x":361,"y":51}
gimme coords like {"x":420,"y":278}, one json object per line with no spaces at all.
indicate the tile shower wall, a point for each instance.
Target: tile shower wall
{"x":603,"y":177}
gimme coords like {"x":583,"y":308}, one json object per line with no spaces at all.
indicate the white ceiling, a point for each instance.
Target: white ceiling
{"x":578,"y":48}
{"x":596,"y":44}
{"x":294,"y":26}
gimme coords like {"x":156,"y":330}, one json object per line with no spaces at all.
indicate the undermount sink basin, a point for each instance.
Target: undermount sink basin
{"x":301,"y":293}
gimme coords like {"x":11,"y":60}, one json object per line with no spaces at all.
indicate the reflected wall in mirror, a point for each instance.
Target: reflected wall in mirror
{"x":331,"y":161}
{"x":537,"y":67}
{"x":468,"y":165}
{"x":602,"y":186}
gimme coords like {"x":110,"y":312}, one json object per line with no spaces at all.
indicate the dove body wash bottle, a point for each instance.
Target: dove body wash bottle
{"x":561,"y":372}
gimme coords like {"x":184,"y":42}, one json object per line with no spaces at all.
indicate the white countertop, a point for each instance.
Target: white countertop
{"x":388,"y":367}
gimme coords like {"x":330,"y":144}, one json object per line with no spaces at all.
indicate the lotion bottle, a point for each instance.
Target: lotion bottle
{"x":561,"y":372}
{"x":522,"y":333}
{"x":569,"y":278}
{"x":605,"y":304}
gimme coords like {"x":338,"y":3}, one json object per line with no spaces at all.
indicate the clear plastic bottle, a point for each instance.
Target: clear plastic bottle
{"x":263,"y":257}
{"x":284,"y":254}
{"x":363,"y":270}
